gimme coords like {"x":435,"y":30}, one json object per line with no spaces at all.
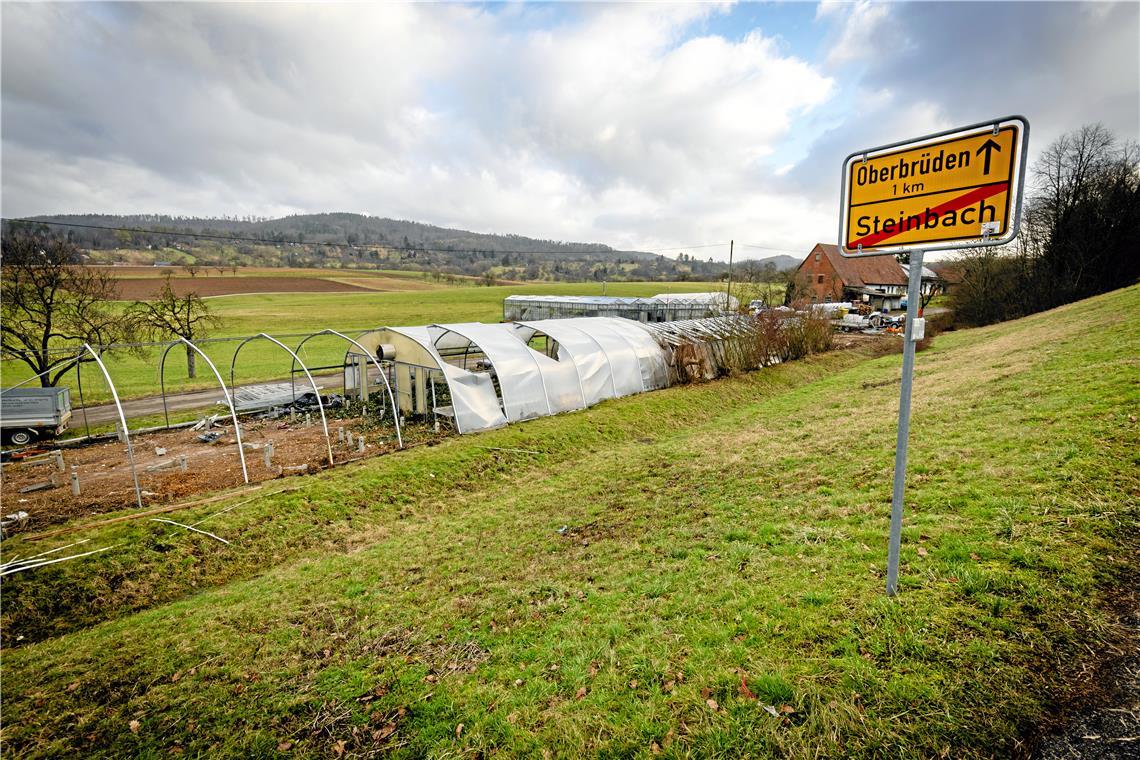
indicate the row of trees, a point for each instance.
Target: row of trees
{"x":48,"y":300}
{"x":1079,"y":236}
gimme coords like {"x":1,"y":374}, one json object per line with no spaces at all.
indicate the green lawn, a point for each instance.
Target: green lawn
{"x":665,"y":568}
{"x":288,"y":315}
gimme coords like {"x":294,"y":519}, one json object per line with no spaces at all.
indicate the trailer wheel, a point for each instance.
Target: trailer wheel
{"x":20,"y":437}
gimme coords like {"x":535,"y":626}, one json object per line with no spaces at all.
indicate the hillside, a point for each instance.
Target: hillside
{"x":359,"y":241}
{"x":696,"y":571}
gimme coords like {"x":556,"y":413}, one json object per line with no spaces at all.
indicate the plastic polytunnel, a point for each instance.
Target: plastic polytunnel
{"x":532,"y":384}
{"x":494,"y":376}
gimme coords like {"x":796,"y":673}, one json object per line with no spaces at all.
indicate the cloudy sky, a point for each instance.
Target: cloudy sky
{"x":642,"y":126}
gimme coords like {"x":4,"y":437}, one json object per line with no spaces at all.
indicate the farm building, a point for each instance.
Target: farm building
{"x":664,"y":307}
{"x":881,"y":281}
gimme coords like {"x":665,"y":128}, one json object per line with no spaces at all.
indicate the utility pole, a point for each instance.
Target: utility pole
{"x":728,"y":290}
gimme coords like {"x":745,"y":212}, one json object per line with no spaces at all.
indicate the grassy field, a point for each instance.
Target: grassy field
{"x":302,"y":313}
{"x":646,"y":577}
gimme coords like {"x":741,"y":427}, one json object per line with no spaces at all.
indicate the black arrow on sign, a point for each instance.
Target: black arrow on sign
{"x":989,"y":146}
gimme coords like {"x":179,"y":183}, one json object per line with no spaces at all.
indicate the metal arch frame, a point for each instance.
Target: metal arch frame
{"x":312,"y":382}
{"x":429,"y":347}
{"x":371,"y":358}
{"x":221,"y":382}
{"x":122,"y":419}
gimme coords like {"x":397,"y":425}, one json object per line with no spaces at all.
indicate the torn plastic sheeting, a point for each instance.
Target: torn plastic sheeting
{"x":520,"y":375}
{"x":473,"y":399}
{"x":589,"y":358}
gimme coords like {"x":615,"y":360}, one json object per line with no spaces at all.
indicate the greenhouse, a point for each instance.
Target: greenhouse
{"x":482,"y":376}
{"x":664,"y":307}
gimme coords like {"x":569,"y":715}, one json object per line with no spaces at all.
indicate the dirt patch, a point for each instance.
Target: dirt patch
{"x":105,"y":475}
{"x":134,"y":289}
{"x":387,"y":283}
{"x":1109,"y":725}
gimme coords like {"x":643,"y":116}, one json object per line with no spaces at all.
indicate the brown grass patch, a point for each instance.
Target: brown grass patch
{"x":135,"y":289}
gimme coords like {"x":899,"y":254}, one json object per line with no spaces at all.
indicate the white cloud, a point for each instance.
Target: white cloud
{"x":440,"y":113}
{"x":859,"y":37}
{"x":628,"y":124}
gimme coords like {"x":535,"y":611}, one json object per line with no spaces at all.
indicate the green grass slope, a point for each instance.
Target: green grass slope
{"x":722,"y":551}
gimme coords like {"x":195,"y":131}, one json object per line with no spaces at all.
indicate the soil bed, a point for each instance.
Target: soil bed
{"x":105,"y":474}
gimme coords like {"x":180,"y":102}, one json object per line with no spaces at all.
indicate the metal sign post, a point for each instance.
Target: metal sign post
{"x":913,"y":301}
{"x":955,"y":189}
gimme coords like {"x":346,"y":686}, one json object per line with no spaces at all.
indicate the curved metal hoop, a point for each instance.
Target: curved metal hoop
{"x":371,"y":358}
{"x":312,"y":382}
{"x":123,"y":420}
{"x":221,"y":382}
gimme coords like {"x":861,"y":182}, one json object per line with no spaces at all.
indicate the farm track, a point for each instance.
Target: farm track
{"x":180,"y":402}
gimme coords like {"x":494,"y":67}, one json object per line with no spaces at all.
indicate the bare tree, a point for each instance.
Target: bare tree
{"x":171,"y":315}
{"x":763,"y":282}
{"x":48,"y":300}
{"x":1078,"y":238}
{"x":192,"y":270}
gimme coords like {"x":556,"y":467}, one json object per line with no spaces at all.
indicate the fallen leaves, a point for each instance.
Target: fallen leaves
{"x":581,"y":693}
{"x":458,"y":730}
{"x":134,"y":726}
{"x":284,"y":746}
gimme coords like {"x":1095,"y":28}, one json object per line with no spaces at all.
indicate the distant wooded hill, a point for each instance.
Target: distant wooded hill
{"x":356,"y":241}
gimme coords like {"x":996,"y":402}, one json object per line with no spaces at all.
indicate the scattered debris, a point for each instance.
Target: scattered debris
{"x":205,"y":422}
{"x":13,"y":523}
{"x":210,"y":437}
{"x":19,"y":567}
{"x":42,"y":486}
{"x":190,"y":527}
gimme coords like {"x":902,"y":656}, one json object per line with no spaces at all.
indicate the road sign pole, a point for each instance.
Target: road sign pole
{"x":913,"y":301}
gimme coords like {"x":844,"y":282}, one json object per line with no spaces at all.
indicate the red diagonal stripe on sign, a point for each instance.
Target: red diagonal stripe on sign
{"x":977,"y":194}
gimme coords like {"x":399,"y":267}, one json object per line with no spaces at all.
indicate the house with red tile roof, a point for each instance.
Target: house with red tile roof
{"x":877,"y":280}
